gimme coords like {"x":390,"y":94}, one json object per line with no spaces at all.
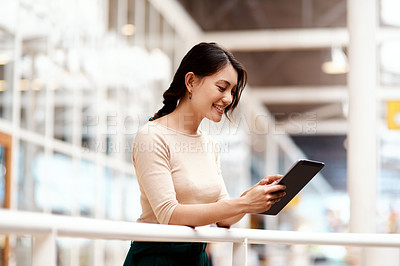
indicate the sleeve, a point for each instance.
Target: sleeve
{"x":224,"y":193}
{"x":153,"y":171}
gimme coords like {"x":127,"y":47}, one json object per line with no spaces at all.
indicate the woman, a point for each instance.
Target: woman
{"x":177,"y":165}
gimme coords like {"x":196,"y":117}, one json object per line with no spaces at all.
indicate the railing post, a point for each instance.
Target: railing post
{"x":239,"y":254}
{"x":44,"y":250}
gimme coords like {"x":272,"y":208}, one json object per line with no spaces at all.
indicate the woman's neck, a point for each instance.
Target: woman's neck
{"x":182,"y":119}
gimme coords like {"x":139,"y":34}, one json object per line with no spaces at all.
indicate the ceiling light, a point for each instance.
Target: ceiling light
{"x":3,"y":85}
{"x":36,"y":85}
{"x":23,"y":85}
{"x":53,"y":86}
{"x":338,"y":62}
{"x":128,"y":29}
{"x":4,"y":59}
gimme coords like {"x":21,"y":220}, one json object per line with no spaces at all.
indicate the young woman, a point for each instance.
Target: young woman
{"x":177,"y":165}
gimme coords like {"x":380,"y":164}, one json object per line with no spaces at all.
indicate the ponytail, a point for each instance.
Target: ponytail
{"x":171,"y":97}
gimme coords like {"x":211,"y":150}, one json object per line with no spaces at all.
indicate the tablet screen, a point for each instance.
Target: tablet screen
{"x":295,"y":179}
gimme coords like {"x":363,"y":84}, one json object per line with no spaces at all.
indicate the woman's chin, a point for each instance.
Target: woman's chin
{"x":216,"y":119}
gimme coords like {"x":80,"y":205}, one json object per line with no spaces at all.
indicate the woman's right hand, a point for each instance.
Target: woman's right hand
{"x":261,"y":197}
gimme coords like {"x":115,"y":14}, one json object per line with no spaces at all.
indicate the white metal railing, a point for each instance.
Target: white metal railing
{"x":45,"y":228}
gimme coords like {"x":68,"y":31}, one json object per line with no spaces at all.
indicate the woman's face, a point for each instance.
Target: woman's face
{"x":212,"y":94}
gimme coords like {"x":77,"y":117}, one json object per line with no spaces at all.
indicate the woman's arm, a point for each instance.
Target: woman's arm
{"x":257,"y":199}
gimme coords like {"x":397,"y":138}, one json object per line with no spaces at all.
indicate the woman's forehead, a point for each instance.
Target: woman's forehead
{"x":226,"y":75}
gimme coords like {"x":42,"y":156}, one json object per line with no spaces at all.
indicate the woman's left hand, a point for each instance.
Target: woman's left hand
{"x":268,"y":180}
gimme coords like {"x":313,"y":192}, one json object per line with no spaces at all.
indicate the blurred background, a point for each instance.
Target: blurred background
{"x":79,"y":78}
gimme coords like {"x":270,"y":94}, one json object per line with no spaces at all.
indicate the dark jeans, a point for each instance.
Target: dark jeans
{"x":166,"y":254}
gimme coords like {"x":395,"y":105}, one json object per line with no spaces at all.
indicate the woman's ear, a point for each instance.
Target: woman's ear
{"x":190,"y":78}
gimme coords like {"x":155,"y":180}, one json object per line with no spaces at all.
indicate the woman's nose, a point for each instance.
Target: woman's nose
{"x":227,"y":99}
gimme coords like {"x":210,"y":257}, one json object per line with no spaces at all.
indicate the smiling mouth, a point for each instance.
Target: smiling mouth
{"x":219,"y":109}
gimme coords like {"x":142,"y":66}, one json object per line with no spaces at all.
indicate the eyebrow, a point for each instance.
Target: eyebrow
{"x":225,"y":81}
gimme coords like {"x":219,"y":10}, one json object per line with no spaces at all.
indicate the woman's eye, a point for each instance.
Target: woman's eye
{"x":221,"y":88}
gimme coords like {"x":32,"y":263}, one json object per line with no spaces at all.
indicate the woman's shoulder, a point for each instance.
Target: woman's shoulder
{"x":150,"y":130}
{"x":148,"y":133}
{"x":149,"y":127}
{"x":149,"y":138}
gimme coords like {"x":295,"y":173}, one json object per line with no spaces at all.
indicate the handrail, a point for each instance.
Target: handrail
{"x":40,"y":224}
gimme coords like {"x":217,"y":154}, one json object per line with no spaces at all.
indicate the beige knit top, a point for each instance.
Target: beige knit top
{"x":175,"y":168}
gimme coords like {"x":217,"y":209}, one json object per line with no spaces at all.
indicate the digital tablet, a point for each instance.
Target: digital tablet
{"x":295,"y":179}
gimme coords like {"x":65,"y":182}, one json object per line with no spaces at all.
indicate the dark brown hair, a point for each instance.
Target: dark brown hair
{"x":204,"y":59}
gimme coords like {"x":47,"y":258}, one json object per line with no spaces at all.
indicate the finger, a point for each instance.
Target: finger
{"x":264,"y":181}
{"x":272,"y":201}
{"x":269,"y":179}
{"x":280,"y":195}
{"x":275,"y":188}
{"x":275,"y":177}
{"x":276,"y":196}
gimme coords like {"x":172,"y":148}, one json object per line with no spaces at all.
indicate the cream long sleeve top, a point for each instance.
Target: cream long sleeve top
{"x":175,"y":168}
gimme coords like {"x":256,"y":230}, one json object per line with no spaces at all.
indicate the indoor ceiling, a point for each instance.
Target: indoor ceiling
{"x":275,"y":70}
{"x":221,"y":15}
{"x":290,"y":82}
